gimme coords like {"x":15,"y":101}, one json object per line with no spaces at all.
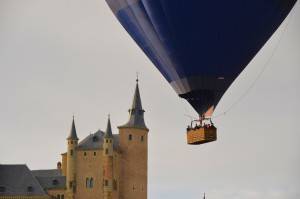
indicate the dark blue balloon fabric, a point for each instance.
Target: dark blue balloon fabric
{"x":201,"y":46}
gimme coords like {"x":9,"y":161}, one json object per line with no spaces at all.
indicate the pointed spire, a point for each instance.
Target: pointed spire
{"x":73,"y":134}
{"x":108,"y":132}
{"x":137,"y":102}
{"x":136,"y":113}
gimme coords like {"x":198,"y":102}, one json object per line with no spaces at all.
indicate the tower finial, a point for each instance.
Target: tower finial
{"x":137,"y":77}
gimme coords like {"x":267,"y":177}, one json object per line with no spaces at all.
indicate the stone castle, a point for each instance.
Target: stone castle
{"x":101,"y":166}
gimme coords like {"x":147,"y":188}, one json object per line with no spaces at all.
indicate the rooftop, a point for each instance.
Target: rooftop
{"x":50,"y":178}
{"x":95,"y":141}
{"x":18,"y":180}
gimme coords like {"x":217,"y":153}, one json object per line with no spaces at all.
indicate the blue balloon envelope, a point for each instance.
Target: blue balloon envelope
{"x":201,"y":46}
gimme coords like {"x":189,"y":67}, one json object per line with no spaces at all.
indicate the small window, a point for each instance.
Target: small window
{"x":95,"y":153}
{"x":55,"y":182}
{"x":62,"y":196}
{"x":142,"y":138}
{"x":106,"y":151}
{"x":58,"y":196}
{"x":87,"y":182}
{"x":106,"y":182}
{"x":2,"y":189}
{"x":95,"y":139}
{"x":130,"y":137}
{"x":70,"y":184}
{"x":110,"y":141}
{"x":30,"y":189}
{"x":106,"y":141}
{"x":71,"y":142}
{"x":84,"y":153}
{"x":71,"y":152}
{"x":91,"y":183}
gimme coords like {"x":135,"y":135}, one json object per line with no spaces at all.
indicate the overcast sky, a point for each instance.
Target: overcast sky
{"x":59,"y":57}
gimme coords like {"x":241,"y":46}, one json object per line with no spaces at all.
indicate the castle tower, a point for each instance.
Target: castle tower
{"x":108,"y":162}
{"x":134,"y":152}
{"x":71,"y":162}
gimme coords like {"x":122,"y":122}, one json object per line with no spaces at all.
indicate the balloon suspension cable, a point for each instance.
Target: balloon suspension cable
{"x":264,"y":68}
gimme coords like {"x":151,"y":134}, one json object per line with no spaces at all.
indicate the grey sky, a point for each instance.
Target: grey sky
{"x":61,"y":57}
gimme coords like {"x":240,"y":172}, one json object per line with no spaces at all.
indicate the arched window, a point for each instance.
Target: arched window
{"x":142,"y":138}
{"x":62,"y":196}
{"x":130,"y":137}
{"x":95,"y":153}
{"x":58,"y":196}
{"x":84,"y":153}
{"x":91,"y":183}
{"x":87,"y":182}
{"x":106,"y":151}
{"x":71,"y":152}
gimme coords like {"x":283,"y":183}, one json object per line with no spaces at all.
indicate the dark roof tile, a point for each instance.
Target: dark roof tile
{"x":46,"y":173}
{"x":18,"y":180}
{"x":53,"y":182}
{"x":95,"y":141}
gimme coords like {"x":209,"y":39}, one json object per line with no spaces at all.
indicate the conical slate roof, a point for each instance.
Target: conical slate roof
{"x":136,"y":113}
{"x":108,"y":132}
{"x":73,"y":134}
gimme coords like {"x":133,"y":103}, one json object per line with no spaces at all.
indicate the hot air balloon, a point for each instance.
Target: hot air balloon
{"x":199,"y":46}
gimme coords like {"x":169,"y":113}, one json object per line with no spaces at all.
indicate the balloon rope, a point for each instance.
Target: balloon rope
{"x":265,"y":66}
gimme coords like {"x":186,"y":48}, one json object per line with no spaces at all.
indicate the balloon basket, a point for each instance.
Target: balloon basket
{"x":201,"y":135}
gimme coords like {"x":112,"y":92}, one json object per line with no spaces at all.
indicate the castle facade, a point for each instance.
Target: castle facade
{"x":101,"y":166}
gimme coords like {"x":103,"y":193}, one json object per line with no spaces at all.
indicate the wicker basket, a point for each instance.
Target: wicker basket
{"x":201,"y":135}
